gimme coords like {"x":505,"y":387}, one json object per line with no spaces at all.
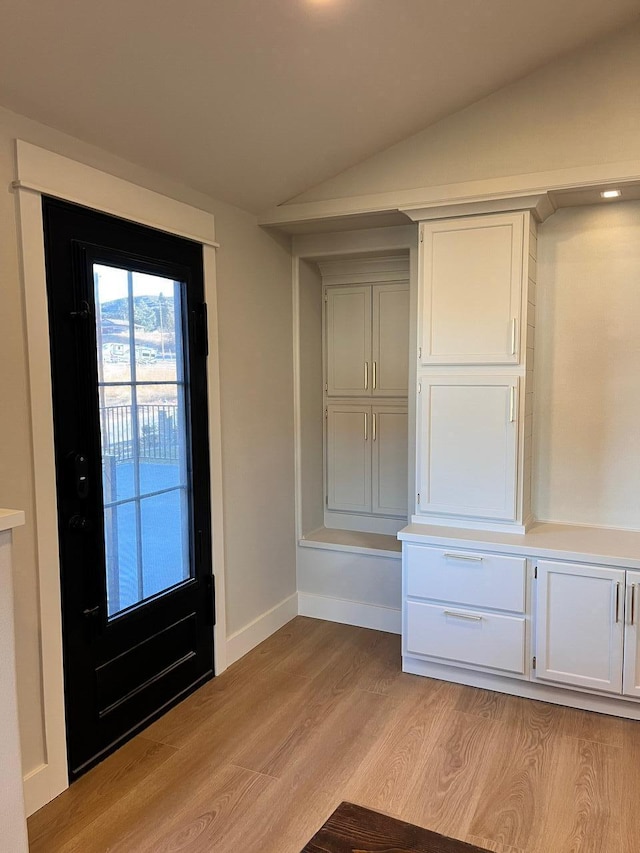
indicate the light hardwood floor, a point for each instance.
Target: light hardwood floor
{"x":255,"y":761}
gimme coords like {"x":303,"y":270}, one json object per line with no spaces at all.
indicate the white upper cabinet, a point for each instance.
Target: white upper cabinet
{"x":467,"y":454}
{"x":348,"y":325}
{"x":631,"y":679}
{"x":580,"y":625}
{"x":390,"y":350}
{"x":472,"y":279}
{"x":367,"y":340}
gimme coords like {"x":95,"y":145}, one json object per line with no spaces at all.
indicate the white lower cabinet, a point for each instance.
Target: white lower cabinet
{"x":580,"y":625}
{"x":458,"y":635}
{"x":631,"y":677}
{"x":560,"y":630}
{"x":450,"y":601}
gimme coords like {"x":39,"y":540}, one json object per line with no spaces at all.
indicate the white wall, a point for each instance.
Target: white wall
{"x":587,"y":369}
{"x":581,"y":110}
{"x":254,"y":295}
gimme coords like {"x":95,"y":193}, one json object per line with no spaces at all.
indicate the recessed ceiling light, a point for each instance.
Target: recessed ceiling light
{"x":610,"y":194}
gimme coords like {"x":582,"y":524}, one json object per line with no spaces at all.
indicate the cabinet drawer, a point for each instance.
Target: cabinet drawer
{"x":478,"y":580}
{"x":464,"y":636}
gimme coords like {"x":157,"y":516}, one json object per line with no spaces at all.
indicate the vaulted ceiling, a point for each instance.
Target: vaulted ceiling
{"x":254,"y":101}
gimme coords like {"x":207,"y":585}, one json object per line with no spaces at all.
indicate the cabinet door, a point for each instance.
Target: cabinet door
{"x":349,"y":458}
{"x":348,"y":326}
{"x":389,"y":460}
{"x":579,"y":625}
{"x":390,"y":341}
{"x":631,"y":680}
{"x":467,"y":446}
{"x":472,"y":275}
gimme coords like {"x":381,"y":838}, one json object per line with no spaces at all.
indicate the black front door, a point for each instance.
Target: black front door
{"x":128,"y":346}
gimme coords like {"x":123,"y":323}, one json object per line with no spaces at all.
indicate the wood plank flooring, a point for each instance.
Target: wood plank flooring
{"x":258,"y":759}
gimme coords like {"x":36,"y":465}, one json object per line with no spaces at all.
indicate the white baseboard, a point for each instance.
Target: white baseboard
{"x":247,"y":638}
{"x":42,"y":785}
{"x":350,"y":612}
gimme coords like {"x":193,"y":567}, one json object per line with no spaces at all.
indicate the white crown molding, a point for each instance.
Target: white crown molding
{"x":540,"y":204}
{"x":290,"y":217}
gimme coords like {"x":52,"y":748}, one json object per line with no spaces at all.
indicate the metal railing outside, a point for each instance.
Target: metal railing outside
{"x":157,"y":432}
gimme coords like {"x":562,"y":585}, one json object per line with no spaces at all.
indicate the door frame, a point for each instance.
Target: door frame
{"x":40,"y":172}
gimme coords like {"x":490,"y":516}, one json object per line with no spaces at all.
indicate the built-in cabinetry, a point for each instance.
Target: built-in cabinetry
{"x":599,"y":605}
{"x":475,"y":370}
{"x":468,"y":446}
{"x":366,"y":327}
{"x":468,"y":608}
{"x":366,"y":334}
{"x":367,"y":458}
{"x":531,"y":615}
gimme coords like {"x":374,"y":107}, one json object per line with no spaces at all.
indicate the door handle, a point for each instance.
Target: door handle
{"x":91,"y":612}
{"x":79,"y":522}
{"x":80,"y":475}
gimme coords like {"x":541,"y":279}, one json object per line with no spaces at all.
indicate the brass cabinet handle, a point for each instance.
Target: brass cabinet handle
{"x":366,"y":375}
{"x":366,"y":427}
{"x":618,"y":601}
{"x":375,"y":425}
{"x":375,"y":375}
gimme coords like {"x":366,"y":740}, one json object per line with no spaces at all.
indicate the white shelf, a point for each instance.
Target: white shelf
{"x":377,"y":544}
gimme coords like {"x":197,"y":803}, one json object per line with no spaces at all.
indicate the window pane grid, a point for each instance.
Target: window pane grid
{"x":144,"y":495}
{"x":142,"y":392}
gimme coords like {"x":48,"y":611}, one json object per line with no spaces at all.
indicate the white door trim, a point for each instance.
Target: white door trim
{"x":38,"y":172}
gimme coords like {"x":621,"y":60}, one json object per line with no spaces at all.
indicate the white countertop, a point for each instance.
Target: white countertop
{"x":557,"y":541}
{"x":10,"y":518}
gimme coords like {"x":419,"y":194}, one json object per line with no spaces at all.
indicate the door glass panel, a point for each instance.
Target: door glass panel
{"x":164,"y":559}
{"x":161,"y":442}
{"x":157,"y":329}
{"x":146,"y":488}
{"x":121,"y":549}
{"x":117,"y":443}
{"x":113,"y":328}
